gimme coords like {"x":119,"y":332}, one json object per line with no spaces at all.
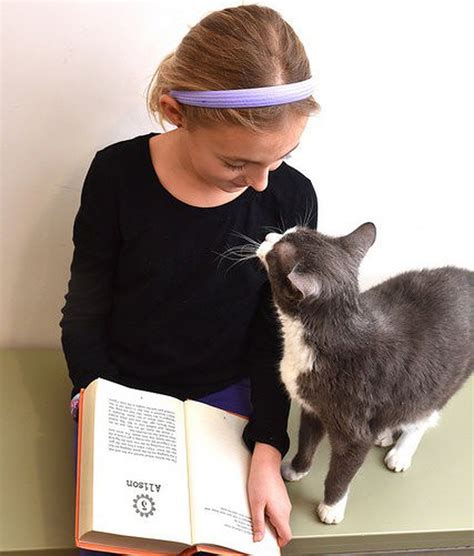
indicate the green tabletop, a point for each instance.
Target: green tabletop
{"x":36,"y":447}
{"x":430,"y":505}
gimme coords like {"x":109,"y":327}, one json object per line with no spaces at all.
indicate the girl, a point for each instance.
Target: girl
{"x":156,"y":299}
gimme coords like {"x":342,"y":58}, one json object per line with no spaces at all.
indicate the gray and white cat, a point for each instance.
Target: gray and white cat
{"x":372,"y":367}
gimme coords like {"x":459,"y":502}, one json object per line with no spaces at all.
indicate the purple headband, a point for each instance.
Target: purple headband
{"x":247,"y":98}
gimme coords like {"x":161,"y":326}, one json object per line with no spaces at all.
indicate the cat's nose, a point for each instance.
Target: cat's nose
{"x":273,"y":237}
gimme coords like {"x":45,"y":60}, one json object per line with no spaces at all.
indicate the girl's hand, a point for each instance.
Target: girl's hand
{"x":267,"y":494}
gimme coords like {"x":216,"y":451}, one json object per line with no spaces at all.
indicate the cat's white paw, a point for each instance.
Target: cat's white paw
{"x":289,"y":474}
{"x":332,"y":514}
{"x":398,"y":460}
{"x":384,"y":439}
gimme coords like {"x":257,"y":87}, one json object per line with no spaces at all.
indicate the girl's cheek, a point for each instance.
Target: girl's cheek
{"x":276,"y":165}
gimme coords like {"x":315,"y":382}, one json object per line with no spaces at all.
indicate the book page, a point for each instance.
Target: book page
{"x":140,"y":465}
{"x":219,"y":464}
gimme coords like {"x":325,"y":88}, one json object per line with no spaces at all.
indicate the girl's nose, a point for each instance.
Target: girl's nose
{"x":259,"y":180}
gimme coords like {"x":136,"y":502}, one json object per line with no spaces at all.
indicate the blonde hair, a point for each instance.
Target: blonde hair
{"x":234,"y":48}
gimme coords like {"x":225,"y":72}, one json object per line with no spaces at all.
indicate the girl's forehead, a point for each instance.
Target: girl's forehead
{"x":242,"y":144}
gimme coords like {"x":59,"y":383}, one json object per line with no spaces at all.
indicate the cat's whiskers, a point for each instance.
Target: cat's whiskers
{"x":309,"y":212}
{"x":239,"y":253}
{"x":283,"y":222}
{"x":243,"y":236}
{"x":240,"y":261}
{"x":274,"y":229}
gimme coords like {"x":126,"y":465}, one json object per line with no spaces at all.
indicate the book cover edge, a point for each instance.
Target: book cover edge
{"x":78,"y":460}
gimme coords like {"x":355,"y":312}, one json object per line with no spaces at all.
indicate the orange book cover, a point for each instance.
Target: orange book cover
{"x":126,"y":550}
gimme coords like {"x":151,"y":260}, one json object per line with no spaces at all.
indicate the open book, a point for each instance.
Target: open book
{"x":155,"y":474}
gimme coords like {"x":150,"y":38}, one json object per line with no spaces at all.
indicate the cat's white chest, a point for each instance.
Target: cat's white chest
{"x":297,"y":356}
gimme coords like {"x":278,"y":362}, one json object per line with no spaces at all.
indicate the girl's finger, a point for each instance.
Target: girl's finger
{"x":282,"y":529}
{"x":258,"y":521}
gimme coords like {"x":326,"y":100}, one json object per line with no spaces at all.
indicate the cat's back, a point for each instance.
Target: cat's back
{"x":427,"y":290}
{"x":428,"y":299}
{"x":424,"y":323}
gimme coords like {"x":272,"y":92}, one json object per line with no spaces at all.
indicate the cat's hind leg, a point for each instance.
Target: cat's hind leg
{"x":400,"y":456}
{"x":310,"y":434}
{"x":385,"y":438}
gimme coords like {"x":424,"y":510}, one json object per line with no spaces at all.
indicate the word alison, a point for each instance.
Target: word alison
{"x":152,"y":487}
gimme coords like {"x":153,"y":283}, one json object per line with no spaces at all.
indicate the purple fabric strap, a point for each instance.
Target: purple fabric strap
{"x":247,"y":98}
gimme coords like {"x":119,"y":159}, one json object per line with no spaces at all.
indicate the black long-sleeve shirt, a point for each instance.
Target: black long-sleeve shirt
{"x":153,"y":303}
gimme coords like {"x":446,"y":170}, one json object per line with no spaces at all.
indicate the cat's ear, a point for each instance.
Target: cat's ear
{"x":307,"y":284}
{"x":361,"y":239}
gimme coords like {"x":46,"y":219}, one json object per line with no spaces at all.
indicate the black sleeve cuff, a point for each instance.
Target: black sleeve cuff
{"x":251,"y":434}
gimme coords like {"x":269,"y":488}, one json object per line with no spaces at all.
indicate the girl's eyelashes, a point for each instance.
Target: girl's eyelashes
{"x":233,"y":167}
{"x":242,"y":165}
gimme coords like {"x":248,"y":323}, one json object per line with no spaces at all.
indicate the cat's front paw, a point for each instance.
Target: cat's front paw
{"x":384,"y":439}
{"x":332,"y":514}
{"x":290,"y":474}
{"x":397,"y":460}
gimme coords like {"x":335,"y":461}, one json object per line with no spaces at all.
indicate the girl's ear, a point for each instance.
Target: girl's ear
{"x":307,"y":284}
{"x":171,"y":110}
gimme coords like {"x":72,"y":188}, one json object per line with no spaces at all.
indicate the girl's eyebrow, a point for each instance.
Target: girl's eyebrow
{"x":255,"y":161}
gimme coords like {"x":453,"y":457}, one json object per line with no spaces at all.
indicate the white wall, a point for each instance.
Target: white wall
{"x":393,"y":144}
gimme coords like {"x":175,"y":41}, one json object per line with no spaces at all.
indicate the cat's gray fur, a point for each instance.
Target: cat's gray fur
{"x":381,"y":360}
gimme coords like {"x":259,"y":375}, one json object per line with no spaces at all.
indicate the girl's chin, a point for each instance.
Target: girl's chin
{"x":231,"y":187}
